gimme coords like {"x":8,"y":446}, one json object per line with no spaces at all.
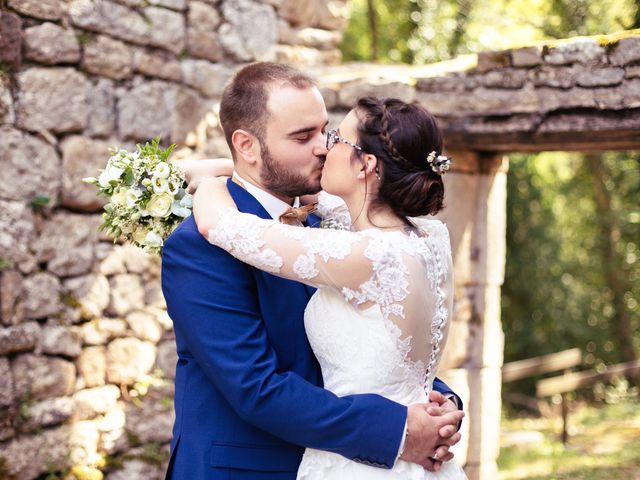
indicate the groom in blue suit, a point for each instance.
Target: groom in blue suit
{"x":248,"y":389}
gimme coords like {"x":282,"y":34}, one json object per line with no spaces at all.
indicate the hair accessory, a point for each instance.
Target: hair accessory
{"x":439,"y":163}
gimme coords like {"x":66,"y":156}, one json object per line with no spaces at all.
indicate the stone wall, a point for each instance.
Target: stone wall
{"x":87,"y":354}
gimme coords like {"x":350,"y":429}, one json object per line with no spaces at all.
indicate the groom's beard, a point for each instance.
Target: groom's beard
{"x":288,"y":183}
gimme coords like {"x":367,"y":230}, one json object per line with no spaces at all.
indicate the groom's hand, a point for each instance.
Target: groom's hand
{"x":425,"y":435}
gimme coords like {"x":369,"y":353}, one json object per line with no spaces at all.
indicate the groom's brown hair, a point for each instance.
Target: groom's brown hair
{"x":244,"y":98}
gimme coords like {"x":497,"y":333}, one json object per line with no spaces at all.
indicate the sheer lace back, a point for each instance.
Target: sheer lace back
{"x":397,"y":287}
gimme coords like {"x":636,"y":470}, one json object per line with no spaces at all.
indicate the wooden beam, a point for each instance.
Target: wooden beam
{"x":574,"y":381}
{"x":534,"y":366}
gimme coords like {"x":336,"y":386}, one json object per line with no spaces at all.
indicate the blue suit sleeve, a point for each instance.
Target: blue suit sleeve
{"x":212,"y":301}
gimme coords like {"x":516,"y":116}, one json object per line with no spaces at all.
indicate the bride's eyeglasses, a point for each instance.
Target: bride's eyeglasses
{"x":333,"y":138}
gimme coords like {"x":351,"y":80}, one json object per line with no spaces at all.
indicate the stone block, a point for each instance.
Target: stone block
{"x":7,"y":390}
{"x":38,"y":377}
{"x":108,"y":57}
{"x":506,"y":78}
{"x":601,"y":77}
{"x":144,"y":325}
{"x":82,"y":157}
{"x":349,"y":94}
{"x":555,"y":99}
{"x":449,"y":83}
{"x":333,"y":15}
{"x":167,"y":359}
{"x":42,"y":296}
{"x":150,"y":422}
{"x":188,"y":115}
{"x":204,"y":44}
{"x":317,"y":38}
{"x":486,"y":337}
{"x":626,"y":51}
{"x":92,"y":366}
{"x":67,"y":243}
{"x":551,"y":76}
{"x":145,"y":111}
{"x":298,"y":13}
{"x":586,"y":51}
{"x":52,"y":99}
{"x":83,"y":443}
{"x":137,"y":468}
{"x":157,"y":63}
{"x":100,"y":331}
{"x":49,"y":412}
{"x":10,"y":38}
{"x":484,"y":416}
{"x":304,"y":56}
{"x":31,"y":160}
{"x":91,"y":402}
{"x":526,"y":57}
{"x":102,"y":101}
{"x":208,"y":78}
{"x":632,"y":72}
{"x":128,"y":359}
{"x":42,"y":9}
{"x":89,"y":293}
{"x":16,"y":222}
{"x":50,"y":44}
{"x":7,"y":115}
{"x":172,"y":4}
{"x":493,"y":60}
{"x":19,"y":338}
{"x":250,"y":31}
{"x":29,"y":456}
{"x":61,"y":340}
{"x":11,"y":294}
{"x":202,"y":16}
{"x":152,"y":26}
{"x":127,"y":294}
{"x":622,"y":97}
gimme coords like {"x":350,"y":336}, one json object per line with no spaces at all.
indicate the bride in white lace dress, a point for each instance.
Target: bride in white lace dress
{"x":379,"y":319}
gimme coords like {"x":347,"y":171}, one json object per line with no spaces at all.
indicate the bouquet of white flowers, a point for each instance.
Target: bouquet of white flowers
{"x":148,"y":196}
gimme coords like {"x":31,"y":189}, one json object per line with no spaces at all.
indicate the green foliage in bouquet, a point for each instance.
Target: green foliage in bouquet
{"x":147,"y":195}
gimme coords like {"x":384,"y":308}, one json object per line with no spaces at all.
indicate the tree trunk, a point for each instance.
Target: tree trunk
{"x":462,"y":18}
{"x":614,"y":273}
{"x":373,"y":26}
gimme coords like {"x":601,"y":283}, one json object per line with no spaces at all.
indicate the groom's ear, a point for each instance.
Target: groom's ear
{"x":246,"y":145}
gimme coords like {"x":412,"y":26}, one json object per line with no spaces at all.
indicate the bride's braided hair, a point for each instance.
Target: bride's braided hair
{"x":401,"y":136}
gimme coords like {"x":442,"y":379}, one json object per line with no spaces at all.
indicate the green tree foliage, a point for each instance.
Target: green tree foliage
{"x":426,"y":31}
{"x":557,"y":294}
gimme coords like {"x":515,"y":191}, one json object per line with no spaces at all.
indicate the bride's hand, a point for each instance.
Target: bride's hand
{"x":196,"y":170}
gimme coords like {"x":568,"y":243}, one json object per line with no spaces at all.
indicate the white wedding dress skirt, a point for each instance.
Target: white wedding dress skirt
{"x":360,"y":352}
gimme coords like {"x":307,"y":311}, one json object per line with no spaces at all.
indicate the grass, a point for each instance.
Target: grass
{"x":604,"y":445}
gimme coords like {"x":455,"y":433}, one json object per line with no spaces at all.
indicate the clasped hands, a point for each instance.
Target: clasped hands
{"x":432,"y":429}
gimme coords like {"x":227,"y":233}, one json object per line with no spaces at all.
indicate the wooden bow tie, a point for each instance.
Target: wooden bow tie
{"x":297,"y":215}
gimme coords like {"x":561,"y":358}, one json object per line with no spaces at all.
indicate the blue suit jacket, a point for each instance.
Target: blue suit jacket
{"x":248,"y":390}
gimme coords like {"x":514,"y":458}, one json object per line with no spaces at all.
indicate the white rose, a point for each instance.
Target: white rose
{"x":153,"y":239}
{"x":160,"y":205}
{"x":162,"y":170}
{"x":160,"y":185}
{"x":109,"y":174}
{"x":140,"y":234}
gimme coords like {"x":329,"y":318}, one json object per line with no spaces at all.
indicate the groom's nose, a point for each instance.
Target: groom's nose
{"x":320,"y":145}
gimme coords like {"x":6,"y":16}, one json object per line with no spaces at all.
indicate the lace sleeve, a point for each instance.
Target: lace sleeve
{"x":334,"y":211}
{"x":358,"y":264}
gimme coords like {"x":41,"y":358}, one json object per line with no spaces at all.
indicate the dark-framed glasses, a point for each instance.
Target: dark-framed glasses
{"x":333,"y":138}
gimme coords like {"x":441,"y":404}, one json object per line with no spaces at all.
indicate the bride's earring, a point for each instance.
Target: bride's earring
{"x":377,"y":173}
